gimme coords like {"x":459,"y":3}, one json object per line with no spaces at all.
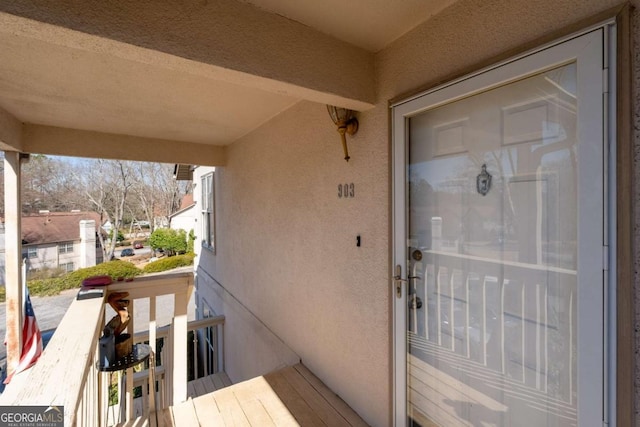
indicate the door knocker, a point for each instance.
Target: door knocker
{"x":483,"y":181}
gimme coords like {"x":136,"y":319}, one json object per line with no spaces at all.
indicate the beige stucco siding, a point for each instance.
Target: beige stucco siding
{"x":286,"y":244}
{"x":471,"y":32}
{"x":287,"y":249}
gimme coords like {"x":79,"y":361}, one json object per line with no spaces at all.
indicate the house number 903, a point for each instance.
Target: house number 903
{"x":346,"y":191}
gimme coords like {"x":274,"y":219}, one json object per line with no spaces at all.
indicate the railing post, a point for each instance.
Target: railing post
{"x":164,"y":384}
{"x":179,"y":341}
{"x":195,"y":354}
{"x":152,"y":359}
{"x":220,"y":345}
{"x":216,"y":356}
{"x":129,"y":371}
{"x":13,"y":258}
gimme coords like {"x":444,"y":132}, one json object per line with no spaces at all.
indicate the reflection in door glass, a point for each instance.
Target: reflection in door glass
{"x":492,"y":252}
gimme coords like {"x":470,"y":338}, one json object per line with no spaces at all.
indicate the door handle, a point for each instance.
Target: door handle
{"x":398,"y":281}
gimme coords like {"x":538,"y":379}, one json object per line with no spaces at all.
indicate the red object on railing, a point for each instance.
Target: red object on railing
{"x":96,"y":281}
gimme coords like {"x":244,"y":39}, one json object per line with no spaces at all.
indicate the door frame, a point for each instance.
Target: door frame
{"x":479,"y":81}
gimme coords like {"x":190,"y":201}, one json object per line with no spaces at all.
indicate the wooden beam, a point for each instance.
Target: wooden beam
{"x":13,"y":258}
{"x":81,"y":143}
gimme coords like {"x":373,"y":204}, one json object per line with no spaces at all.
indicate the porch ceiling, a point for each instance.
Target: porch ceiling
{"x":369,"y":24}
{"x":204,"y":74}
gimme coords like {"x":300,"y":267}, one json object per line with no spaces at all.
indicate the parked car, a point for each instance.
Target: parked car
{"x":137,"y":245}
{"x":127,"y":252}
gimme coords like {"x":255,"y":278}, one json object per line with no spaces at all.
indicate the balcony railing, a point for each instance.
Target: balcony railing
{"x":67,"y":373}
{"x":203,"y":338}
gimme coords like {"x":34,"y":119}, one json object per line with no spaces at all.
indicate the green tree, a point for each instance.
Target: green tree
{"x":119,"y":236}
{"x":180,"y":241}
{"x":190,"y":241}
{"x":169,"y":240}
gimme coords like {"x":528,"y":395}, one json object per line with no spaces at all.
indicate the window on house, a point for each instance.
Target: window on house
{"x":208,"y":211}
{"x":65,"y":248}
{"x":32,"y":252}
{"x":68,"y":267}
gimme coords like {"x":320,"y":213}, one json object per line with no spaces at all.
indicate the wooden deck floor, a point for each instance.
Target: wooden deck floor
{"x":195,"y":388}
{"x":292,"y":396}
{"x":208,"y":384}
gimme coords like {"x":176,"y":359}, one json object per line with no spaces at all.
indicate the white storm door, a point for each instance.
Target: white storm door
{"x":498,"y":245}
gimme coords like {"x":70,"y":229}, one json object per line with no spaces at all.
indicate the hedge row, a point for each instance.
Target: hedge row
{"x":169,"y":263}
{"x":115,"y":269}
{"x":55,"y":285}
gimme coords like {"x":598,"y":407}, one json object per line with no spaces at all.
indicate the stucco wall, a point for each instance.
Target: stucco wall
{"x":286,"y":242}
{"x":287,"y":248}
{"x":255,"y":349}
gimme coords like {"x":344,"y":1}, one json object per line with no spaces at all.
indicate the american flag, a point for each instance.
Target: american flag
{"x":31,"y":340}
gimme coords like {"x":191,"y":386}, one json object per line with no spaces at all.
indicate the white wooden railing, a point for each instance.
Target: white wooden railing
{"x":206,"y":359}
{"x":515,"y":318}
{"x":67,"y":375}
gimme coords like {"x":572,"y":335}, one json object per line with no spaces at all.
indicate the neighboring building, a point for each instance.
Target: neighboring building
{"x":65,"y":240}
{"x":107,"y":226}
{"x":160,"y":221}
{"x":185,"y":217}
{"x":473,"y":263}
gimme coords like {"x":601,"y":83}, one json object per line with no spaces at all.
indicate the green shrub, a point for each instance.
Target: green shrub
{"x":52,"y":286}
{"x":45,"y":273}
{"x":170,"y":240}
{"x":55,"y":285}
{"x":119,"y":236}
{"x":170,"y":263}
{"x":115,"y":269}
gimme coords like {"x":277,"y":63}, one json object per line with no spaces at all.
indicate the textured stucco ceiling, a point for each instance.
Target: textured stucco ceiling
{"x":369,"y":24}
{"x":51,"y":85}
{"x":217,"y":73}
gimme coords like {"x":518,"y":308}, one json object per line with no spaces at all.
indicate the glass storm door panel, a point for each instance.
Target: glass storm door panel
{"x":502,"y":190}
